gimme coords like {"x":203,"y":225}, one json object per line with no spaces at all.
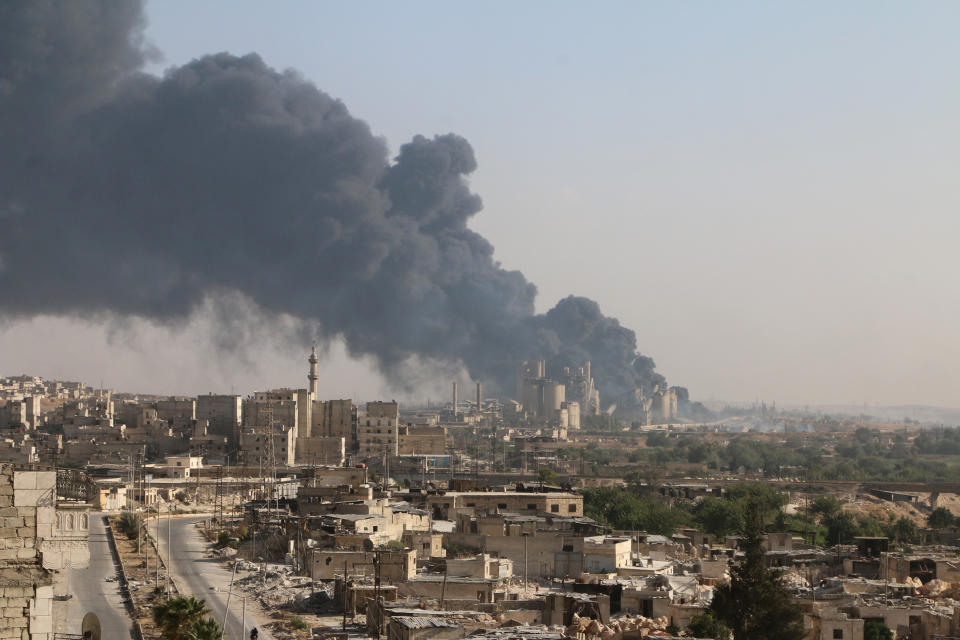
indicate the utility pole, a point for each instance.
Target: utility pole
{"x":226,"y":609}
{"x":243,"y":616}
{"x":525,"y":536}
{"x":344,"y":594}
{"x":443,"y":586}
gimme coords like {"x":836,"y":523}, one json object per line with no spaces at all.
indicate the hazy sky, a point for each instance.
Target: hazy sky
{"x":766,"y":192}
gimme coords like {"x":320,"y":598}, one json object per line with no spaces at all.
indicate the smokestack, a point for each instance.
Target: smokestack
{"x":454,"y":400}
{"x":479,"y":398}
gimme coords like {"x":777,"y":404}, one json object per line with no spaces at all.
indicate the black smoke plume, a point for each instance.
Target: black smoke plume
{"x":125,"y":193}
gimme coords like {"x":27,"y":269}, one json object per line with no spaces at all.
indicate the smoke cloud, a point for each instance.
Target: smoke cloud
{"x":139,"y":196}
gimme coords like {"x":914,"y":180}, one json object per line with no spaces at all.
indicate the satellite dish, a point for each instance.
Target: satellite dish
{"x":90,"y":627}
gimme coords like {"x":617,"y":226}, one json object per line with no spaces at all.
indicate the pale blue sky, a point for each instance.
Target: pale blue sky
{"x":765,"y":191}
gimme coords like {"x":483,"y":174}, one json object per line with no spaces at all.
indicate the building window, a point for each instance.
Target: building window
{"x":572,"y":508}
{"x":531,"y":507}
{"x":838,"y":634}
{"x":555,"y":508}
{"x":374,"y":528}
{"x":502,"y":505}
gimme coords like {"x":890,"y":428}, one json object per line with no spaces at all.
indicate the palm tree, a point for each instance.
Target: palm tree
{"x":130,"y":524}
{"x":206,"y":629}
{"x":177,"y":616}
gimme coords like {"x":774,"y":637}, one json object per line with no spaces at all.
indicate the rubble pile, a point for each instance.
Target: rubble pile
{"x":277,"y":587}
{"x":589,"y":628}
{"x":793,"y":579}
{"x":937,"y":589}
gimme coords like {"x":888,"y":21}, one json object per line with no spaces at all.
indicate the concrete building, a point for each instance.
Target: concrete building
{"x":13,"y":414}
{"x":427,"y":544}
{"x":395,"y":566}
{"x":335,"y":419}
{"x":422,"y":439}
{"x":112,"y":498}
{"x":256,"y":448}
{"x":177,"y":409}
{"x":481,"y":566}
{"x":605,"y":554}
{"x":278,"y":407}
{"x":559,"y":503}
{"x":378,"y":431}
{"x":223,"y":414}
{"x":182,"y":466}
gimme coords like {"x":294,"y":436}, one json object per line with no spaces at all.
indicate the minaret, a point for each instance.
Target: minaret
{"x":314,"y":372}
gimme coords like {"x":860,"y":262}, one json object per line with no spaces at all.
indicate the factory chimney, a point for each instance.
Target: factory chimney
{"x":479,"y":396}
{"x":454,"y":400}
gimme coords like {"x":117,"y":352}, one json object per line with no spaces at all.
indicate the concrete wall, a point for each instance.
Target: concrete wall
{"x":321,"y":450}
{"x":540,"y":553}
{"x":455,"y":589}
{"x":395,"y":566}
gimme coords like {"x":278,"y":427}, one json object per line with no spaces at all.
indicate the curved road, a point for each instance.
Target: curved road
{"x":92,"y":592}
{"x":204,"y":577}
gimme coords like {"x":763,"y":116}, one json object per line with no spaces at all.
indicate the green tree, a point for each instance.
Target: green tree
{"x":940,"y":518}
{"x":905,"y":530}
{"x":841,"y":528}
{"x":547,"y":475}
{"x":657,"y":439}
{"x":178,"y":617}
{"x":705,"y":625}
{"x":754,"y":605}
{"x":824,"y":507}
{"x":876,"y":630}
{"x":758,"y":496}
{"x":719,"y":517}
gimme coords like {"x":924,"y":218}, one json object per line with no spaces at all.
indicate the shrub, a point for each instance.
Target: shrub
{"x":297,"y":622}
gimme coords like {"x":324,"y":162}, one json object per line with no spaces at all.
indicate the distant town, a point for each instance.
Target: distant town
{"x":537,"y":516}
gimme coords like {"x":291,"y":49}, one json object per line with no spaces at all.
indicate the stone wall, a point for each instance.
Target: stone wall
{"x":38,"y":542}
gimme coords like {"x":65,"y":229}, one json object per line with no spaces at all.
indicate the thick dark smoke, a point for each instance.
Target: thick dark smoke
{"x":125,"y":193}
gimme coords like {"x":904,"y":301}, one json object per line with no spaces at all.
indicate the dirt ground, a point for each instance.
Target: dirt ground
{"x":882,"y":510}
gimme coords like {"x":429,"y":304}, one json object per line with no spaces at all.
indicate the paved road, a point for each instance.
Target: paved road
{"x":91,"y":591}
{"x":199,"y":576}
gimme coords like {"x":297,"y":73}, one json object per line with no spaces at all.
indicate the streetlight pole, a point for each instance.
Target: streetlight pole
{"x":169,"y":545}
{"x":243,"y":617}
